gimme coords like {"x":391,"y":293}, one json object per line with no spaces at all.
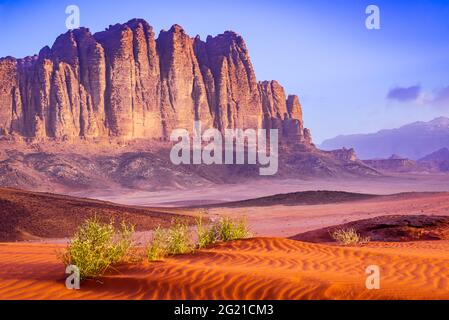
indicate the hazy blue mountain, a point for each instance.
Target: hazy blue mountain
{"x":438,"y":160}
{"x":412,"y":141}
{"x":439,"y":155}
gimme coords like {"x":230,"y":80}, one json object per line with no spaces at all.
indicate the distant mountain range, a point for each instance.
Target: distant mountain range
{"x":438,"y":160}
{"x":413,"y":141}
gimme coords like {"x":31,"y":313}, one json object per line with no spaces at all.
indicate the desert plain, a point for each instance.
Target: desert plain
{"x":290,"y":255}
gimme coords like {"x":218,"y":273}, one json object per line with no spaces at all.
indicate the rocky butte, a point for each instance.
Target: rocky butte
{"x":97,"y":111}
{"x":125,"y":83}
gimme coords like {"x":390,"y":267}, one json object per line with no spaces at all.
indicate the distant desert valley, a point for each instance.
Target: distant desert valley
{"x":85,"y":133}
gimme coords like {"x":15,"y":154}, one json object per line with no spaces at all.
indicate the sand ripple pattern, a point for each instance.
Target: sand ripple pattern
{"x":261,"y":268}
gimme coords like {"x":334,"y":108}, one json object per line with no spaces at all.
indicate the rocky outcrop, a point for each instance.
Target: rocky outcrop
{"x":184,"y":97}
{"x":234,"y":98}
{"x":124,"y":83}
{"x":10,"y":101}
{"x":344,"y":154}
{"x":393,"y":228}
{"x":283,"y":114}
{"x":394,"y":163}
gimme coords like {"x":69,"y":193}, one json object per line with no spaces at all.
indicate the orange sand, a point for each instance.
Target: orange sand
{"x":261,"y":268}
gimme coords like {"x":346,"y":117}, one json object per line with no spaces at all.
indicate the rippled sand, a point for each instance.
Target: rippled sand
{"x":261,"y":268}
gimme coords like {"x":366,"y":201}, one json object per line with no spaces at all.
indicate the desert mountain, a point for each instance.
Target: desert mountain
{"x":145,"y":165}
{"x":412,"y":141}
{"x":438,"y":160}
{"x":94,"y":111}
{"x":439,"y":155}
{"x":126,"y":83}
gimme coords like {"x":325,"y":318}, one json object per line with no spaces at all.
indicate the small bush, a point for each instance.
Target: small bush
{"x":224,"y":229}
{"x":158,"y":247}
{"x":206,"y":234}
{"x":179,"y":239}
{"x":97,"y":246}
{"x":172,"y":241}
{"x":227,"y":229}
{"x":348,"y":237}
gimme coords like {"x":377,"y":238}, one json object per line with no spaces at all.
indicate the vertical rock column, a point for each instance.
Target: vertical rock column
{"x":230,"y":81}
{"x":11,"y":116}
{"x":183,"y":93}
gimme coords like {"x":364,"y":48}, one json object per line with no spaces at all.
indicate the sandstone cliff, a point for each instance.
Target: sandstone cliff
{"x":125,"y":83}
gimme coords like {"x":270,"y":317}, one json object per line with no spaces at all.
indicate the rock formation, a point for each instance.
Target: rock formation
{"x":394,"y":164}
{"x":124,"y":83}
{"x":344,"y":154}
{"x":438,"y":160}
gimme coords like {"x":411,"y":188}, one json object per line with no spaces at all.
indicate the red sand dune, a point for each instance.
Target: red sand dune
{"x":260,"y":268}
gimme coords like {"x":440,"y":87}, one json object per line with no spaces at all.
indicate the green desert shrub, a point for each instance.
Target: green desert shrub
{"x":225,"y":229}
{"x":172,"y":241}
{"x":158,"y":246}
{"x":206,"y":234}
{"x":179,"y":238}
{"x":348,"y":237}
{"x":97,"y":246}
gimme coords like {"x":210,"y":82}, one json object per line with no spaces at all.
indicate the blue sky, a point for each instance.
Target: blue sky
{"x":349,"y":79}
